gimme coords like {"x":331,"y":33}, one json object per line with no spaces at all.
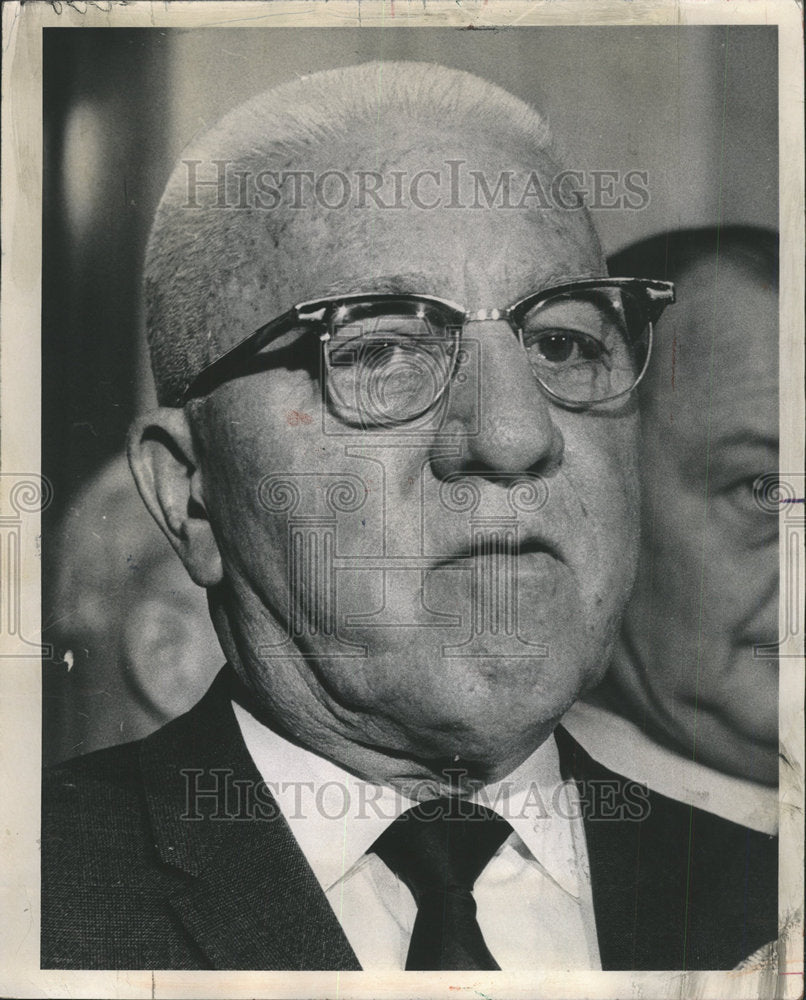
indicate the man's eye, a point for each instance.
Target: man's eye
{"x":562,"y":346}
{"x":745,"y":500}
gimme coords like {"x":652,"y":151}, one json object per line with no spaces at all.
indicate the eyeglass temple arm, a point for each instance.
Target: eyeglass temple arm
{"x":659,"y":294}
{"x":214,"y":372}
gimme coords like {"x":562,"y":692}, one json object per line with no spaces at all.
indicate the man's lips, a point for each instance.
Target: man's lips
{"x":493,"y":546}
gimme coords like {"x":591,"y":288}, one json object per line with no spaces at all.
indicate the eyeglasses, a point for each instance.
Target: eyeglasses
{"x":388,"y":359}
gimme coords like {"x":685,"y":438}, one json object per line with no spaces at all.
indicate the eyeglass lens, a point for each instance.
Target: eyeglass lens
{"x":390,"y":364}
{"x":391,"y":368}
{"x":586,"y":347}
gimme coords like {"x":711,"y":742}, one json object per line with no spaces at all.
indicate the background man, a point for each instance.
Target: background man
{"x":133,"y":629}
{"x":423,"y":644}
{"x":689,"y":707}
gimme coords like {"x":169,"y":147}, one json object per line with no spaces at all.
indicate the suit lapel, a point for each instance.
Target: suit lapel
{"x":250,"y":899}
{"x":615,"y":859}
{"x":674,"y":887}
{"x":624,"y":860}
{"x":637,"y":856}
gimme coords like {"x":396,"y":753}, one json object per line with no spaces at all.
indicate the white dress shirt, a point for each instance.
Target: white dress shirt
{"x":534,"y":898}
{"x":623,"y":747}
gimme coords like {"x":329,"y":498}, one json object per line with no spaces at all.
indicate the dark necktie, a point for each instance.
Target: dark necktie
{"x":439,"y":849}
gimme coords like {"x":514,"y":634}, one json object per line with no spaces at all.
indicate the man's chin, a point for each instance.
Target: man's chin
{"x":470,"y":760}
{"x":484,"y":725}
{"x":413,"y":698}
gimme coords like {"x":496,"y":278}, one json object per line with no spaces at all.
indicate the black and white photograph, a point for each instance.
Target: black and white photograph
{"x":403,"y":572}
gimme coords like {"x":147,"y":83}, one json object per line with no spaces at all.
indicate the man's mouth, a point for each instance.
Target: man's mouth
{"x":501,"y":544}
{"x":502,"y":547}
{"x":509,"y":585}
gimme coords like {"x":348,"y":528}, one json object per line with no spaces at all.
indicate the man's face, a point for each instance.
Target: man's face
{"x":707,"y":590}
{"x":422,"y":635}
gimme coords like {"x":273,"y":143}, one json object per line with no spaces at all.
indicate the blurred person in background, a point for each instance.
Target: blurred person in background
{"x":131,"y":628}
{"x":688,"y":707}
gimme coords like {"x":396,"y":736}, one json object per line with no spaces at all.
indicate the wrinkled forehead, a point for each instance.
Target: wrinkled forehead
{"x":442,"y":214}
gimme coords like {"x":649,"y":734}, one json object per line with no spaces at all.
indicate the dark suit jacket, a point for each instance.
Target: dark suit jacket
{"x":135,"y":875}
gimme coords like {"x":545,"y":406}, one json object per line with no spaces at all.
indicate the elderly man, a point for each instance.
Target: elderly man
{"x":397,"y":444}
{"x":690,"y":704}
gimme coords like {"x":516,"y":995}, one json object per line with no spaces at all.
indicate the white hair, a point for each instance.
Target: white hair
{"x":196,"y":256}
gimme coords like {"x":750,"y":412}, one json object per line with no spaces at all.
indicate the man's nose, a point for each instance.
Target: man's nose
{"x":498,"y":418}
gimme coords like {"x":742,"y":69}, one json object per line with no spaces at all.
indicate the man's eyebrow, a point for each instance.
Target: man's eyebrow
{"x":403,"y":283}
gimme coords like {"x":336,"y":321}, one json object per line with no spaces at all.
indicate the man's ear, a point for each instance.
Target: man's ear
{"x":163,"y":462}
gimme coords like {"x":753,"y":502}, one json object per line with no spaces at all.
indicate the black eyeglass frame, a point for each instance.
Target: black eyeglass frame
{"x":654,"y":294}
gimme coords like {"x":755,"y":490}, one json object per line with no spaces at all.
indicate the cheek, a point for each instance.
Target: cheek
{"x":738,"y":581}
{"x":256,"y":450}
{"x":601,"y":463}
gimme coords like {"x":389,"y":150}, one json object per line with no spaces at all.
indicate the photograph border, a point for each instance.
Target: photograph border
{"x":23,"y":494}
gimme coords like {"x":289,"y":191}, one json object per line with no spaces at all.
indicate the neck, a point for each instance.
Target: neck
{"x":416,"y":778}
{"x":364,"y":745}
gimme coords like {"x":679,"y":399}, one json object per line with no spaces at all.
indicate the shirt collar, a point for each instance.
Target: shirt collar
{"x":335,"y":817}
{"x":623,"y":747}
{"x":544,"y":813}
